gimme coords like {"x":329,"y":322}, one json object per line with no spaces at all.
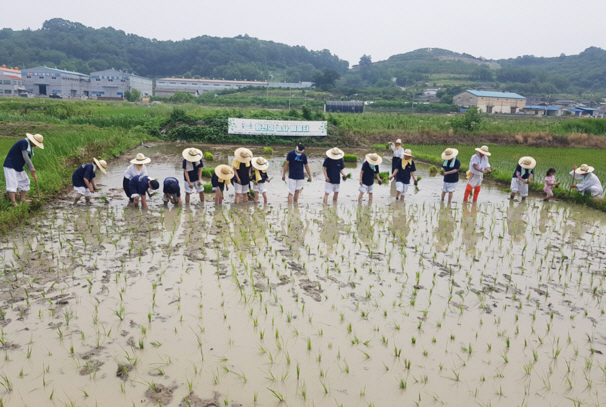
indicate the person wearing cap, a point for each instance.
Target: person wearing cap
{"x":192,"y":173}
{"x":591,"y":183}
{"x":403,"y":174}
{"x":141,"y":185}
{"x":16,"y":178}
{"x":172,"y":191}
{"x":398,"y":154}
{"x":260,"y":166}
{"x":333,"y":171}
{"x":136,"y":167}
{"x":368,"y":173}
{"x":450,"y":171}
{"x":83,"y":179}
{"x":522,"y":176}
{"x":242,"y":170}
{"x":220,"y":180}
{"x":478,"y":166}
{"x":296,"y":161}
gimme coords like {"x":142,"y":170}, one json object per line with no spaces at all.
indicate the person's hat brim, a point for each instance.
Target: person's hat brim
{"x":455,"y":153}
{"x":33,"y":140}
{"x":98,"y":164}
{"x":147,"y":160}
{"x":479,"y":150}
{"x":374,"y":162}
{"x":259,"y":167}
{"x":192,"y":158}
{"x":220,"y":175}
{"x":533,"y":163}
{"x":581,"y":172}
{"x":238,"y":155}
{"x":332,"y":156}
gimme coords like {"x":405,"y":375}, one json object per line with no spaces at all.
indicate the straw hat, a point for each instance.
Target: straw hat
{"x":374,"y":159}
{"x":140,"y":159}
{"x":584,"y":169}
{"x":101,"y":164}
{"x":192,"y":154}
{"x":449,"y":154}
{"x":224,"y":172}
{"x":483,"y":150}
{"x":398,"y":141}
{"x":335,"y":153}
{"x":37,"y":139}
{"x":527,"y":163}
{"x":408,"y":153}
{"x":244,"y":155}
{"x":260,"y":163}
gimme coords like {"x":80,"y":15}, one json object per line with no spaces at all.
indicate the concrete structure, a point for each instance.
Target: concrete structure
{"x":491,"y":102}
{"x":430,"y":92}
{"x":10,"y":71}
{"x":291,"y":85}
{"x":11,"y":85}
{"x":44,"y":81}
{"x":542,"y":110}
{"x":113,"y":84}
{"x":168,"y":86}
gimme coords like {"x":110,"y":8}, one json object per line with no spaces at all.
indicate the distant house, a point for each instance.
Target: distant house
{"x":565,"y":102}
{"x":168,"y":86}
{"x":43,"y":81}
{"x":491,"y":102}
{"x":431,"y":91}
{"x":11,"y":85}
{"x":343,"y":106}
{"x":542,"y":110}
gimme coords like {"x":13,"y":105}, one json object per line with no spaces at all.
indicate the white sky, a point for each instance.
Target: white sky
{"x":381,"y":28}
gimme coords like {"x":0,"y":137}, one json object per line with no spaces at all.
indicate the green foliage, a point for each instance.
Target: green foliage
{"x":208,"y":188}
{"x":132,"y":95}
{"x":352,"y":158}
{"x":268,"y":150}
{"x":208,"y":172}
{"x":208,"y":156}
{"x":469,"y":122}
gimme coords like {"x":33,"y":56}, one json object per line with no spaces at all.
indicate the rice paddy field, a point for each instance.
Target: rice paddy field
{"x":346,"y":304}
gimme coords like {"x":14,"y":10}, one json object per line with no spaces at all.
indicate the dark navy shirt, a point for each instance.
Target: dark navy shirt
{"x":403,"y":175}
{"x":296,"y":166}
{"x":193,"y":175}
{"x":368,"y":175}
{"x":139,"y":185}
{"x":14,"y":158}
{"x":521,"y":171}
{"x":452,"y":177}
{"x":244,"y":174}
{"x":264,"y":176}
{"x":171,"y":181}
{"x":333,"y":169}
{"x":84,"y":171}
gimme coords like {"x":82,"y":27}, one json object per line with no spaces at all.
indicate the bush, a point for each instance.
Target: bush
{"x":207,"y":172}
{"x":208,"y":156}
{"x":469,"y":122}
{"x":268,"y":150}
{"x":351,"y":158}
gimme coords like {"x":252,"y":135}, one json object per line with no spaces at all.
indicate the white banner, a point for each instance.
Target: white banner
{"x":276,"y":127}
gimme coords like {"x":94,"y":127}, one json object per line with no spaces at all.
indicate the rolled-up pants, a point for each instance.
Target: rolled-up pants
{"x":475,"y":185}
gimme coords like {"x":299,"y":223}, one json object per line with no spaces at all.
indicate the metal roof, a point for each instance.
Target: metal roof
{"x":554,"y":108}
{"x":489,"y":94}
{"x":535,"y":107}
{"x":53,"y":69}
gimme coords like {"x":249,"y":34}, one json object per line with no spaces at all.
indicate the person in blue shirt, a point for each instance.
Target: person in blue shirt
{"x":172,"y":191}
{"x":403,"y":173}
{"x":242,"y":171}
{"x":192,"y":173}
{"x":221,"y":180}
{"x":141,"y":185}
{"x":333,"y":171}
{"x":368,"y":173}
{"x":296,"y":160}
{"x":450,"y":171}
{"x":21,"y":153}
{"x":522,"y":177}
{"x":83,"y":179}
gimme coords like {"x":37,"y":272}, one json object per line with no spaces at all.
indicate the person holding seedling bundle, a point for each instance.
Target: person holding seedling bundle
{"x":260,"y":166}
{"x":478,"y":165}
{"x":242,"y":169}
{"x":522,"y":176}
{"x":21,"y":153}
{"x":296,"y":160}
{"x":192,"y":173}
{"x":136,"y":167}
{"x":333,"y":171}
{"x":398,"y":154}
{"x":591,"y":183}
{"x":83,"y":179}
{"x":220,"y":181}
{"x":550,"y":182}
{"x":172,"y":191}
{"x":450,"y":172}
{"x":141,"y":185}
{"x":370,"y":170}
{"x":403,"y":173}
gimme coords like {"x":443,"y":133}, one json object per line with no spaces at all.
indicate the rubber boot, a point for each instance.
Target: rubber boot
{"x":476,"y":192}
{"x":468,"y":190}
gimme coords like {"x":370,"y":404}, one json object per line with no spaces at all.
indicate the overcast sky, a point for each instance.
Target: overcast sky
{"x":380,"y":28}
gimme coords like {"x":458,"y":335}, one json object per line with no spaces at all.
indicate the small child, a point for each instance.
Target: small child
{"x":370,"y":170}
{"x":220,"y":180}
{"x":172,"y":191}
{"x":550,"y":182}
{"x":192,"y":173}
{"x":260,"y":166}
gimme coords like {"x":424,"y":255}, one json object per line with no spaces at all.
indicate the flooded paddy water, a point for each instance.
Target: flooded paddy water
{"x":387,"y":304}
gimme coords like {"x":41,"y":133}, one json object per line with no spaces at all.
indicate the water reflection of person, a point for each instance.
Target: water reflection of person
{"x":329,"y":226}
{"x":172,"y":218}
{"x":294,"y":228}
{"x":468,"y":223}
{"x":445,"y":228}
{"x":241,"y":217}
{"x":220,"y":227}
{"x":400,"y":226}
{"x":516,"y":225}
{"x":544,"y":219}
{"x":365,"y":225}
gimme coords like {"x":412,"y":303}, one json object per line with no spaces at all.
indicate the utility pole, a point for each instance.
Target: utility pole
{"x":289,"y":96}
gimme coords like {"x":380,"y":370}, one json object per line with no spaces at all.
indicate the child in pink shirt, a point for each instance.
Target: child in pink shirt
{"x":550,"y":182}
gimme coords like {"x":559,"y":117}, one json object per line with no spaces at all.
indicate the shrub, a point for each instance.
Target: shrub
{"x":208,"y":156}
{"x":207,"y":172}
{"x":351,"y":158}
{"x":268,"y":150}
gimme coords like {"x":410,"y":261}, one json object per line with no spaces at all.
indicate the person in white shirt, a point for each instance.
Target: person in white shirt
{"x":136,"y":167}
{"x":398,"y":154}
{"x":478,"y":165}
{"x":591,"y":183}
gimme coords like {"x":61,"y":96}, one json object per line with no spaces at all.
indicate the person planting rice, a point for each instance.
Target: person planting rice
{"x":192,"y":173}
{"x":333,"y":171}
{"x":260,"y":166}
{"x":172,"y":191}
{"x":136,"y":167}
{"x":220,"y":181}
{"x":296,"y":160}
{"x":550,"y":182}
{"x":398,"y":154}
{"x":242,"y":172}
{"x":478,"y":165}
{"x":370,"y":170}
{"x":141,"y":185}
{"x":522,"y":177}
{"x":404,"y":172}
{"x":83,"y":179}
{"x":450,"y":171}
{"x":591,"y":183}
{"x":21,"y":153}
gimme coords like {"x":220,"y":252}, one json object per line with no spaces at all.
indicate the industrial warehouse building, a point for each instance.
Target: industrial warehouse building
{"x":491,"y":102}
{"x":11,"y":85}
{"x":166,"y":87}
{"x":111,"y":83}
{"x":343,"y":107}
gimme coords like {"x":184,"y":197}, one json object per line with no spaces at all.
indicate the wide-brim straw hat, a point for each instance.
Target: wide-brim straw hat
{"x":192,"y":154}
{"x":527,"y":163}
{"x":584,"y":169}
{"x":374,"y":159}
{"x":335,"y":153}
{"x":101,"y":164}
{"x":398,"y":141}
{"x":224,"y":172}
{"x":140,"y":159}
{"x":37,"y":139}
{"x":244,"y":155}
{"x":260,"y":163}
{"x":408,"y":153}
{"x":449,"y":154}
{"x":483,"y":150}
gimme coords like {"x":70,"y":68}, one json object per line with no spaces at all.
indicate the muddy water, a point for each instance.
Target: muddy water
{"x":383,"y":304}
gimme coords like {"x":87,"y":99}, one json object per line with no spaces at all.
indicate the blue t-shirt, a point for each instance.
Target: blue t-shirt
{"x":244,"y":174}
{"x":452,"y":177}
{"x":403,"y":175}
{"x":296,"y":165}
{"x":193,"y":175}
{"x":333,"y":169}
{"x":368,"y":175}
{"x":139,"y":185}
{"x":84,"y":171}
{"x":523,"y":172}
{"x":169,"y":182}
{"x":14,"y":158}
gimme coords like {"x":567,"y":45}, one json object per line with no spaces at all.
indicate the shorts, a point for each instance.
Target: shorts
{"x":519,"y":186}
{"x":449,"y":186}
{"x":220,"y":186}
{"x":198,"y":187}
{"x":295,"y":185}
{"x":16,"y":180}
{"x":328,"y":187}
{"x":85,"y":192}
{"x":260,"y":187}
{"x":402,"y":187}
{"x":476,"y":180}
{"x":366,"y":188}
{"x":242,"y":189}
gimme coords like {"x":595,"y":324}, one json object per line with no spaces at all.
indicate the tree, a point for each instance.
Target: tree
{"x":326,"y":79}
{"x":482,"y":73}
{"x":132,"y":95}
{"x":365,"y":61}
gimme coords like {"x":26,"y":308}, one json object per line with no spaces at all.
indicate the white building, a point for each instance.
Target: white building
{"x":111,"y":83}
{"x":168,"y":86}
{"x":291,"y":85}
{"x":11,"y":85}
{"x":431,"y":91}
{"x":45,"y":81}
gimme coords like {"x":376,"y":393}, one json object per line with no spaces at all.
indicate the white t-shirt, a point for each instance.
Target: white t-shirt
{"x":480,"y":162}
{"x":132,"y":170}
{"x":591,"y":180}
{"x":397,"y":152}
